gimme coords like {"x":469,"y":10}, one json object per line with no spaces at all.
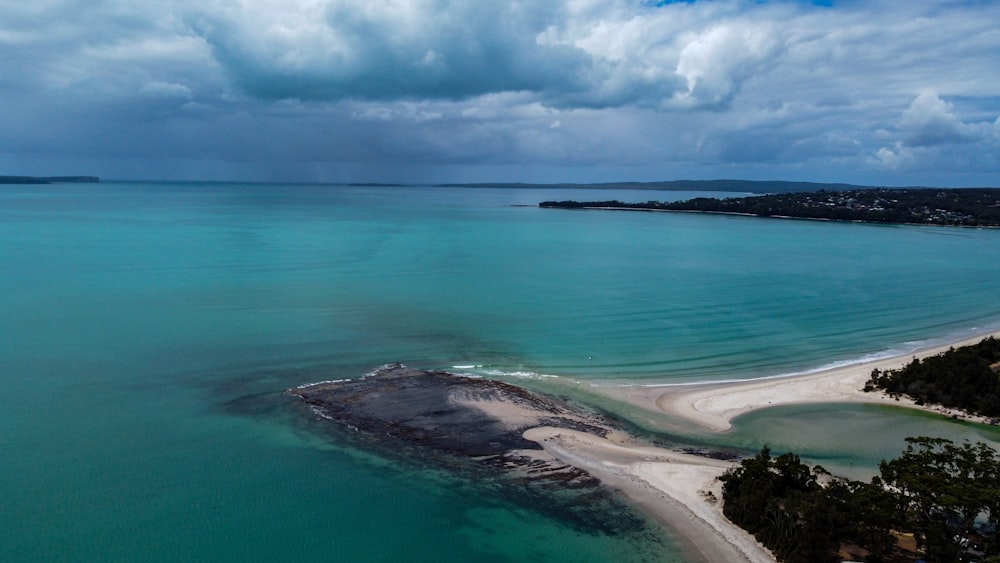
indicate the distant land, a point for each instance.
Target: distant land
{"x":49,"y":179}
{"x":743,"y":186}
{"x":968,"y":207}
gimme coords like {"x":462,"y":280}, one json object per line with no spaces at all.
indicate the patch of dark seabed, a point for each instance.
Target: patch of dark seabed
{"x":473,"y":428}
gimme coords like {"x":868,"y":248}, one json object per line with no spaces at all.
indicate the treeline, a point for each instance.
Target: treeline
{"x":966,"y":378}
{"x":958,"y":206}
{"x":946,"y":496}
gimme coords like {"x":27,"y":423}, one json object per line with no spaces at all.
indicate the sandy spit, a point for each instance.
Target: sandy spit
{"x":683,"y":491}
{"x":713,"y":406}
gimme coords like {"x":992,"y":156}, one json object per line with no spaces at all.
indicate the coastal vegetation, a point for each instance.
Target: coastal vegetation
{"x":966,"y":378}
{"x":979,"y":207}
{"x":939,"y":501}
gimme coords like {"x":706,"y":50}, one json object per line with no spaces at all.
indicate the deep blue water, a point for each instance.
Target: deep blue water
{"x":148,"y":332}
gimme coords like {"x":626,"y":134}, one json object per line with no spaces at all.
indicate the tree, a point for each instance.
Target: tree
{"x":866,"y":514}
{"x":935,"y":489}
{"x":777,"y":500}
{"x":944,"y":487}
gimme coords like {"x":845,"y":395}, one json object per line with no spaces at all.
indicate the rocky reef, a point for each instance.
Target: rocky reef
{"x":474,"y":428}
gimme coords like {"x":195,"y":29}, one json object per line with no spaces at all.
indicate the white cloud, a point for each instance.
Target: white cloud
{"x":407,"y":111}
{"x":716,"y":62}
{"x":930,"y":133}
{"x":166,"y":90}
{"x":932,"y":121}
{"x":894,"y":157}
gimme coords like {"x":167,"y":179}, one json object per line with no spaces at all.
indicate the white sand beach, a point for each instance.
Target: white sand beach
{"x":713,"y":405}
{"x":683,"y":491}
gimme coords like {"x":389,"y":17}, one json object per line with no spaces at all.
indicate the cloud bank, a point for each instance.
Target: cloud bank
{"x":453,"y":90}
{"x":567,"y":54}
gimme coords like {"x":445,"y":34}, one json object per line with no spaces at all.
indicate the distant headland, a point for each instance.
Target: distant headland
{"x":744,"y":186}
{"x":967,"y":207}
{"x":49,"y":180}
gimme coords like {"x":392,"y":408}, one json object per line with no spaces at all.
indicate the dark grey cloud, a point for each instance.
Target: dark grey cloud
{"x":385,"y":51}
{"x":568,"y":53}
{"x":576,"y":90}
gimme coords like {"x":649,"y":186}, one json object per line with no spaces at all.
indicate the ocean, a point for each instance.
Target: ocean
{"x":149,"y":330}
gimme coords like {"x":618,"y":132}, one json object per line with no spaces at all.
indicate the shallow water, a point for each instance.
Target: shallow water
{"x":149,"y":330}
{"x":849,"y":439}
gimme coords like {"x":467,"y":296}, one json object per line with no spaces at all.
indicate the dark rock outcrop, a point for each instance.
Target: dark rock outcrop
{"x":474,"y":428}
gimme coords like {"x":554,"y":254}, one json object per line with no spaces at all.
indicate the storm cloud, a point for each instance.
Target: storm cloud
{"x":453,"y":90}
{"x":568,"y":54}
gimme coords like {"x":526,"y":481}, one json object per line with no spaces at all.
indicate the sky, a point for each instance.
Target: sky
{"x":888,"y":93}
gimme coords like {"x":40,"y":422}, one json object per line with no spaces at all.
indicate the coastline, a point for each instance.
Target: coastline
{"x":785,"y":217}
{"x":682,"y":491}
{"x":713,"y":406}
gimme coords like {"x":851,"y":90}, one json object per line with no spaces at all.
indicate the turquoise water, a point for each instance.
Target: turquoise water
{"x":148,"y":331}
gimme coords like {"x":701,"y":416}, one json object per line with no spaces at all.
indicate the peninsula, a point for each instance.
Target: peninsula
{"x":968,"y":207}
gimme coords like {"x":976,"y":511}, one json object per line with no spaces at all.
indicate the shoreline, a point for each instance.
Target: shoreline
{"x":712,"y":406}
{"x":785,"y":217}
{"x":682,"y":491}
{"x":679,"y":491}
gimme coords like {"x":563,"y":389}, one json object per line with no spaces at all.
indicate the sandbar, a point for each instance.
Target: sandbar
{"x":680,"y":490}
{"x":683,"y":491}
{"x":712,"y":406}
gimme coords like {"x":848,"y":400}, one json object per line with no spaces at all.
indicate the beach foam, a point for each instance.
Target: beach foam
{"x":520,"y":374}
